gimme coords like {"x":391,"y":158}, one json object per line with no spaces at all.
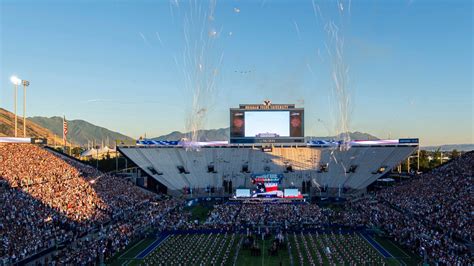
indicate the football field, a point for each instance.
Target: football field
{"x":297,"y":249}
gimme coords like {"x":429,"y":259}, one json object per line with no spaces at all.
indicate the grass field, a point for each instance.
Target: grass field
{"x":399,"y":253}
{"x":222,"y":249}
{"x":127,"y":257}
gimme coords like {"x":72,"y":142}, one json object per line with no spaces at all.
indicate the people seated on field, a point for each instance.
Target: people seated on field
{"x":273,"y":250}
{"x":255,"y":249}
{"x":248,"y":241}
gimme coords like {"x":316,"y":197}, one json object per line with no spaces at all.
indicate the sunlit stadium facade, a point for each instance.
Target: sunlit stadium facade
{"x":330,"y":167}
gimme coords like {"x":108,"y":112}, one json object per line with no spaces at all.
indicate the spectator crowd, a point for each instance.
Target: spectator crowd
{"x":430,"y":214}
{"x":49,"y":199}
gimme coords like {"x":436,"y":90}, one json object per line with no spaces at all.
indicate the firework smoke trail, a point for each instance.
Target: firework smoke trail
{"x":159,"y":38}
{"x":339,"y":75}
{"x":201,"y":60}
{"x":339,"y":68}
{"x":333,"y":27}
{"x":297,"y":28}
{"x":145,"y":40}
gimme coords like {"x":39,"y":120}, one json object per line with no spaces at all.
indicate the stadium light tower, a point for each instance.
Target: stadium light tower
{"x":16,"y":81}
{"x":25,"y":83}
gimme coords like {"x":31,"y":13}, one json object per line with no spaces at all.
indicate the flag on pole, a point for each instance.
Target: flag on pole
{"x":64,"y":130}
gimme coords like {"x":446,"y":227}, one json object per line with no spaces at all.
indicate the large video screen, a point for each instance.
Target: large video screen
{"x":267,"y":124}
{"x":255,"y":126}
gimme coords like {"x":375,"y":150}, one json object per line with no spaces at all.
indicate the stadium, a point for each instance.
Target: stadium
{"x":236,"y":133}
{"x":260,"y":199}
{"x":327,"y":165}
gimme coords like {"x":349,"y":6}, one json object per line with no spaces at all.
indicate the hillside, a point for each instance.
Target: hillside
{"x":204,"y":135}
{"x":7,"y":128}
{"x":223,"y":134}
{"x":80,"y":131}
{"x":353,"y":136}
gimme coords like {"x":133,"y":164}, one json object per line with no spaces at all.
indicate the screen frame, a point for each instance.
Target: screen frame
{"x":255,"y":140}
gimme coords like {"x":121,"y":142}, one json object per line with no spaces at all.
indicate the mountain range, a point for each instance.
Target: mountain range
{"x":81,"y":132}
{"x":224,"y":133}
{"x":203,"y":135}
{"x":7,"y":128}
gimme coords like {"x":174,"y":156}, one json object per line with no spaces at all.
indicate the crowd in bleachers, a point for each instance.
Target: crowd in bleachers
{"x":447,"y":201}
{"x":430,"y":214}
{"x":49,"y":200}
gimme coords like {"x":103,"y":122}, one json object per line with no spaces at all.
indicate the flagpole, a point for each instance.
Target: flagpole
{"x":64,"y":132}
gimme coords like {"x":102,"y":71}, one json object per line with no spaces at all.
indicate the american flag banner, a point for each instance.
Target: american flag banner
{"x":64,"y":130}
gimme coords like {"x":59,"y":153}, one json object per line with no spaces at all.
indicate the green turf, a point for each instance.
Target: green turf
{"x":135,"y":250}
{"x":401,"y":256}
{"x":398,"y":252}
{"x":131,"y":252}
{"x":245,"y":258}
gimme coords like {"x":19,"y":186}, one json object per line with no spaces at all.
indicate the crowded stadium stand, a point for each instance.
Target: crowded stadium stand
{"x":49,"y":200}
{"x":57,"y":210}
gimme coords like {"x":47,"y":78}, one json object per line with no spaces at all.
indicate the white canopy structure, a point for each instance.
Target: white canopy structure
{"x":98,"y":152}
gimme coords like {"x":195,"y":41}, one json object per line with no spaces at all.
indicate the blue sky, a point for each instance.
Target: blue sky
{"x":120,"y":64}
